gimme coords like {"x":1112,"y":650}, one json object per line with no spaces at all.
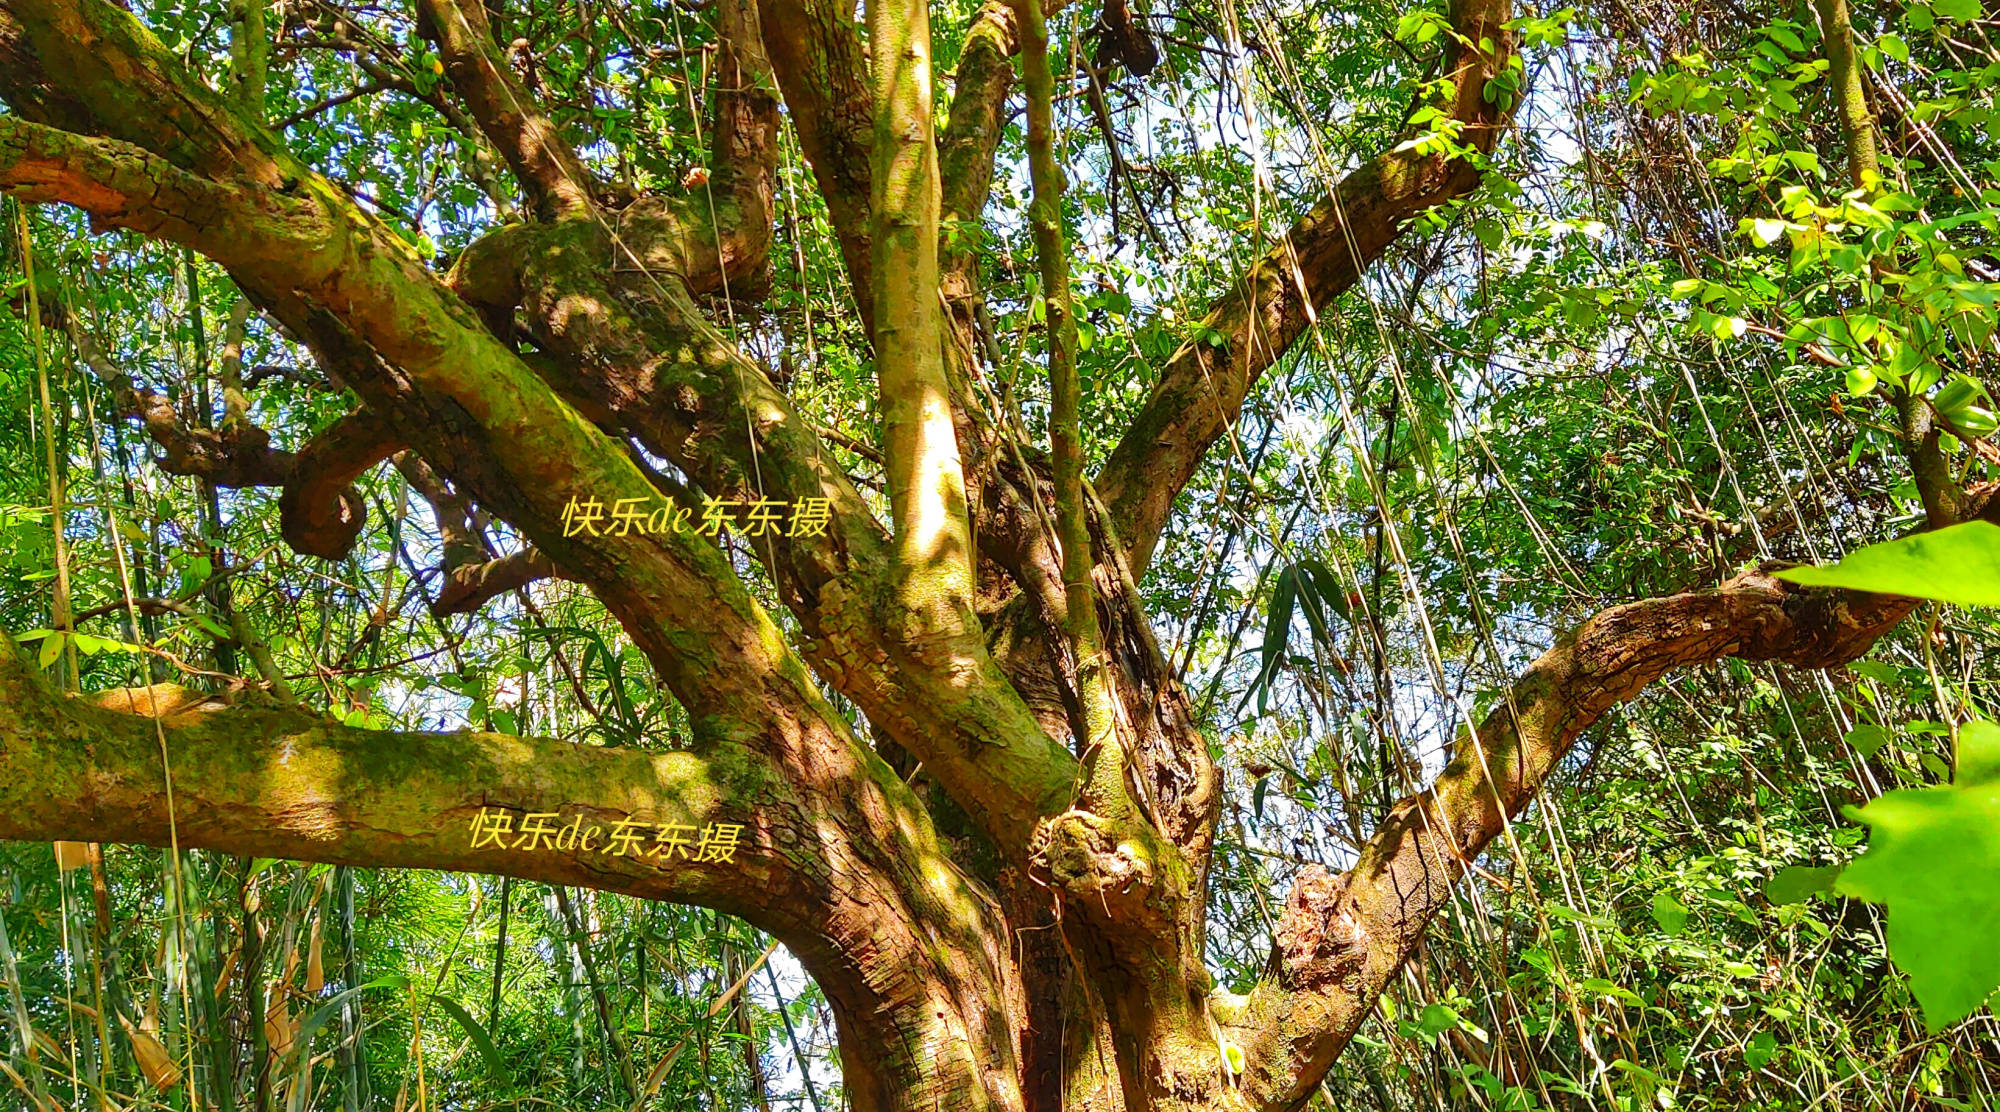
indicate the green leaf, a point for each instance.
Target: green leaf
{"x":1867,"y":740}
{"x":87,"y":644}
{"x":1326,"y":587}
{"x":1762,"y":1048}
{"x":1978,"y":754}
{"x":210,"y":626}
{"x":1319,"y":594}
{"x":1436,"y":1019}
{"x":495,"y":1064}
{"x":1934,"y":858}
{"x":1669,"y":913}
{"x":52,"y":647}
{"x":1960,"y":10}
{"x":1599,"y":986}
{"x":1799,"y":883}
{"x":1876,"y":670}
{"x":1960,"y":564}
{"x":1277,"y":633}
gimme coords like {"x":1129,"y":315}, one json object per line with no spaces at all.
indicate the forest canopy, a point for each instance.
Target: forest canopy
{"x":1003,"y":555}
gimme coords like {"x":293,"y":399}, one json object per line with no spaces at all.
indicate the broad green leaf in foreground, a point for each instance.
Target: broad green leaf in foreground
{"x":1934,"y":858}
{"x":1960,"y":564}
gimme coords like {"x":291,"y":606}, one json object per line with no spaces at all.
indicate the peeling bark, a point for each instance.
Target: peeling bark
{"x":1045,"y":951}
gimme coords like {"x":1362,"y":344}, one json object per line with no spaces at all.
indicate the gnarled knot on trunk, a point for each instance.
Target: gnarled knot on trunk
{"x":1319,"y":939}
{"x":316,"y":524}
{"x":1099,"y":862}
{"x":1814,"y":627}
{"x":707,"y":240}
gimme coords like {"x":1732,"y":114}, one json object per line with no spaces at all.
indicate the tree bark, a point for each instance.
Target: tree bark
{"x":1048,"y":953}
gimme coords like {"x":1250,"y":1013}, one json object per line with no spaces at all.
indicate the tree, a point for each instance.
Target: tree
{"x":975,"y":799}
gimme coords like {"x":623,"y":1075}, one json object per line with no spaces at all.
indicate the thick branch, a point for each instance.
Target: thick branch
{"x":1341,"y":939}
{"x":122,"y":184}
{"x":839,"y":867}
{"x":931,"y":551}
{"x":646,"y":354}
{"x":284,"y":784}
{"x":977,"y":116}
{"x":1845,"y":79}
{"x":821,"y":66}
{"x":1942,"y":496}
{"x":1201,"y":390}
{"x":467,"y":587}
{"x":716,"y":236}
{"x":320,"y":512}
{"x":81,"y":66}
{"x":1103,"y":753}
{"x":554,"y":181}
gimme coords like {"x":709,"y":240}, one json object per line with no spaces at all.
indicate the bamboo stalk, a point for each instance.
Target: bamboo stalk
{"x":60,"y":617}
{"x":248,"y":902}
{"x":622,"y":1056}
{"x":500,"y":954}
{"x":792,"y":1036}
{"x":23,"y":1028}
{"x":354,"y":1095}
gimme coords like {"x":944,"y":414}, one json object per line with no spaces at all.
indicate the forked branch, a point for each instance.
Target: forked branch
{"x":1201,"y":390}
{"x":1340,"y":939}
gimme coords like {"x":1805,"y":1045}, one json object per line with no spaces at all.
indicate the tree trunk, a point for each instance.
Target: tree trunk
{"x":1002,"y":885}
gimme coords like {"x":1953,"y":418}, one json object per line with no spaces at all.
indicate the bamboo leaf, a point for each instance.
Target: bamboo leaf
{"x":480,"y":1039}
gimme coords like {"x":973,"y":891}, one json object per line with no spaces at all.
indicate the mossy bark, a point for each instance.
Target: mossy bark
{"x":1045,"y":954}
